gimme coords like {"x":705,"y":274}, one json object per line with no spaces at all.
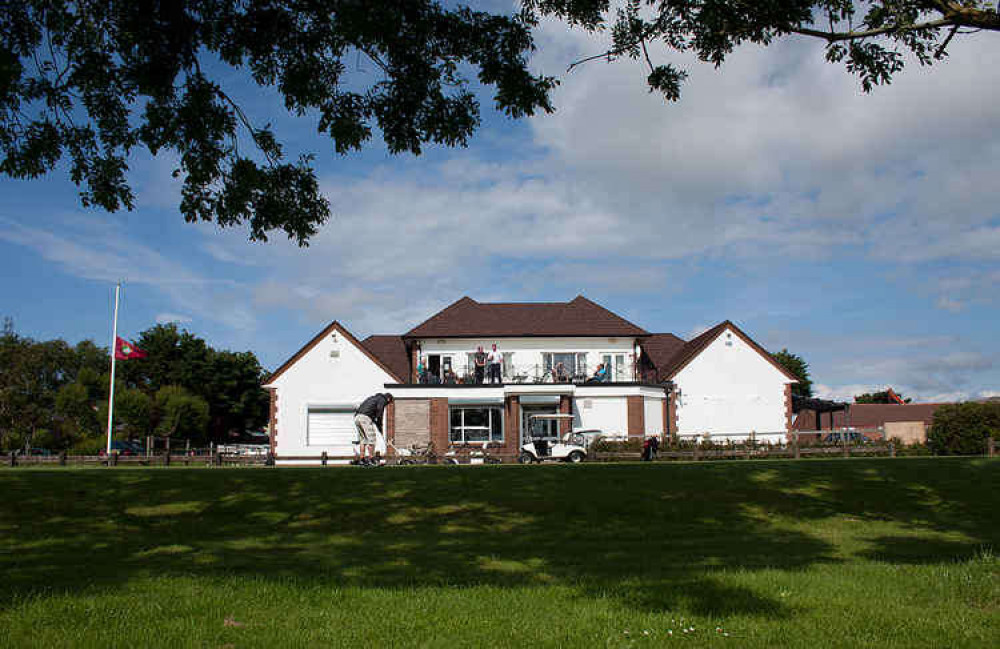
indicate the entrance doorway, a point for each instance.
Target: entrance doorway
{"x":545,"y":429}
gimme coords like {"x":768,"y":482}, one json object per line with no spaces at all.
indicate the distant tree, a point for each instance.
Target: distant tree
{"x":879,"y":397}
{"x":963,"y":428}
{"x":179,"y":413}
{"x":133,"y":413}
{"x":76,"y":413}
{"x":228,"y":381}
{"x":799,"y":368}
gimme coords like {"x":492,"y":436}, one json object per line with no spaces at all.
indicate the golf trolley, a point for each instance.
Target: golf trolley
{"x":571,"y":447}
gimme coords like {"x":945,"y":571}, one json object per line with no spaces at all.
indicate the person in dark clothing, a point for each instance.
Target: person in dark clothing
{"x":650,"y":448}
{"x":480,"y":364}
{"x":368,"y":421}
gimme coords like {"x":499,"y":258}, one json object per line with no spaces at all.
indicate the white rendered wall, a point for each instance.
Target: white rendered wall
{"x":653,"y":416}
{"x":528,"y":351}
{"x":609,"y":414}
{"x":729,"y":391}
{"x":319,"y":380}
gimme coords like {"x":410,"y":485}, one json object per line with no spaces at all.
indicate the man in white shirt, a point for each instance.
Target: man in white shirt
{"x":494,"y":358}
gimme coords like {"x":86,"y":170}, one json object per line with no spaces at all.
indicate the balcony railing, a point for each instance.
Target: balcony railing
{"x":526,"y":374}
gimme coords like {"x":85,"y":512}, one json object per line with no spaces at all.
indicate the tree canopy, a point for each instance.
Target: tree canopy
{"x":55,"y":395}
{"x":799,"y":368}
{"x":880,"y":397}
{"x":95,"y":82}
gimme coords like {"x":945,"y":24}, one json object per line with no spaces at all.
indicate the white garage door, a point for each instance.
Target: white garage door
{"x":332,"y":429}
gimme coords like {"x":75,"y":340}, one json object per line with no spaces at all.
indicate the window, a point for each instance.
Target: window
{"x":476,"y":424}
{"x":508,"y":365}
{"x":573,"y":364}
{"x":615,"y":365}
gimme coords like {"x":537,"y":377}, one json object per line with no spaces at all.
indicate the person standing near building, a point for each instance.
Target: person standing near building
{"x":495,"y":359}
{"x":368,"y":421}
{"x":480,"y":364}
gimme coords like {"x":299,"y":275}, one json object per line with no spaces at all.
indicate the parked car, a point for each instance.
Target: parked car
{"x":125,"y":447}
{"x":853,"y":437}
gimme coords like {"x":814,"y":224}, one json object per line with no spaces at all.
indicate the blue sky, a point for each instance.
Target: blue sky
{"x":861,"y":232}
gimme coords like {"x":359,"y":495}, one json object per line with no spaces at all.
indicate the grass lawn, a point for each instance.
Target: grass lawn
{"x":822,"y":553}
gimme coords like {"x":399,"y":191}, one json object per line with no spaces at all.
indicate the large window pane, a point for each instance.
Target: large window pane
{"x":476,"y":424}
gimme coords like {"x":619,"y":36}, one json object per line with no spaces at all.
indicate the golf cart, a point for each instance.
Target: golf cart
{"x":572,"y":447}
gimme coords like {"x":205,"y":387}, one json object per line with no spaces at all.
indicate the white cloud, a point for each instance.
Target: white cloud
{"x":93,"y":248}
{"x":167,"y":318}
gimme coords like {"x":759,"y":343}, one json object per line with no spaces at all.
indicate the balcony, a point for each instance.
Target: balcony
{"x":535,"y":374}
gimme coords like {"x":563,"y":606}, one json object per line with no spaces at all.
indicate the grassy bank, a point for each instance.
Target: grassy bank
{"x":823,"y":553}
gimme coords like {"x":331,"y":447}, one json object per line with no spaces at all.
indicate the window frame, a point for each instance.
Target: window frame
{"x":494,"y":410}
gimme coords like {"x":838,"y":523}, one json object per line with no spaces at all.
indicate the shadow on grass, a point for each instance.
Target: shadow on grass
{"x":652,"y":537}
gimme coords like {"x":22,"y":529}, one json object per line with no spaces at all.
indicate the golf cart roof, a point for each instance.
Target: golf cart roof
{"x":559,"y":416}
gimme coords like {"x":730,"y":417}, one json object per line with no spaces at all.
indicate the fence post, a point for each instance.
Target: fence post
{"x":795,"y":443}
{"x":324,"y":458}
{"x":990,"y":446}
{"x":892,"y":449}
{"x":847,"y":448}
{"x":751,"y":442}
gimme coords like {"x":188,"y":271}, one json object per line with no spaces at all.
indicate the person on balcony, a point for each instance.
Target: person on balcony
{"x":560,"y":373}
{"x":480,"y":364}
{"x":600,"y":375}
{"x":495,"y":358}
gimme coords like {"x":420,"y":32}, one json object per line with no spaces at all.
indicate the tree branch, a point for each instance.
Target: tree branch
{"x":833,"y":37}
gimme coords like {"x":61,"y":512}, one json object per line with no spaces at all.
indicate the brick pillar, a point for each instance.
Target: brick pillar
{"x":439,"y":424}
{"x":672,"y":411}
{"x":788,"y":407}
{"x":565,"y":408}
{"x":636,"y":418}
{"x":414,"y":359}
{"x":668,"y":428}
{"x":512,"y":426}
{"x":273,"y":418}
{"x":390,"y":427}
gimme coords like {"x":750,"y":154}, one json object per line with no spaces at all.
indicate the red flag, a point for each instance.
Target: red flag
{"x":124,"y":350}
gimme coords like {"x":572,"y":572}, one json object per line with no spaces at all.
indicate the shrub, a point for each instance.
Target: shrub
{"x":963,"y":428}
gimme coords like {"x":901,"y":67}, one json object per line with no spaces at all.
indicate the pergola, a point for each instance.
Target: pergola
{"x":819,"y":406}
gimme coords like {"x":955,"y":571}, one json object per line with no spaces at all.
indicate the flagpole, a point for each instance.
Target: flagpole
{"x":114,"y":348}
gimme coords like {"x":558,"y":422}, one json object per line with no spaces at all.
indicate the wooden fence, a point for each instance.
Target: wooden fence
{"x":690,"y":454}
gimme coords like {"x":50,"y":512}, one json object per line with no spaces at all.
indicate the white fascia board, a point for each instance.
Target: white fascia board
{"x":612,"y":390}
{"x":444,"y":392}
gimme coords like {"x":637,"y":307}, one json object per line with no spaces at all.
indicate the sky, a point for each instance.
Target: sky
{"x":861,"y":232}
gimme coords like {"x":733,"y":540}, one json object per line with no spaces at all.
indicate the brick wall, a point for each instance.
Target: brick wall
{"x":412,"y":422}
{"x":636,"y":417}
{"x":439,"y":424}
{"x":511,"y":427}
{"x":788,"y":407}
{"x":273,"y":418}
{"x":565,"y":408}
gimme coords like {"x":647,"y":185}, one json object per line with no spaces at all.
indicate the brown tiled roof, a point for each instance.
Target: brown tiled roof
{"x":670,"y":354}
{"x":578,"y":317}
{"x":660,"y":349}
{"x":869,"y":415}
{"x":391,"y":350}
